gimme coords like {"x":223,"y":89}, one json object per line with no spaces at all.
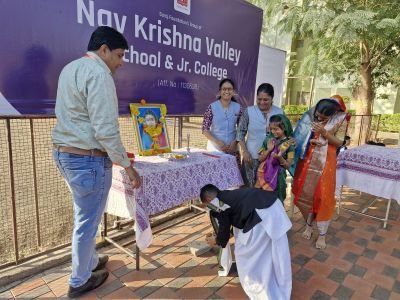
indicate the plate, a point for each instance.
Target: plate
{"x":174,"y":156}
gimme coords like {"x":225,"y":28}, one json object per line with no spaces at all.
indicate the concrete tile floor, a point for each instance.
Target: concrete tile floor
{"x":362,"y":261}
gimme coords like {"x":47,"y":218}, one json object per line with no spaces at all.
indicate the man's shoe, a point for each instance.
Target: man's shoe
{"x":94,"y":281}
{"x":102,"y":262}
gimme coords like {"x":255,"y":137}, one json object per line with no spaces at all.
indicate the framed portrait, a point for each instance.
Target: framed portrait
{"x":150,"y":127}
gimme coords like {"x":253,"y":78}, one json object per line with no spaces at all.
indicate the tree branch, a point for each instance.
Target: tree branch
{"x":377,"y":57}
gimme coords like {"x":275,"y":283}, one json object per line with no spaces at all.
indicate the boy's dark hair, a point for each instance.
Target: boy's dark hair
{"x":327,"y":107}
{"x":109,"y":36}
{"x":266,"y":88}
{"x":207,"y":189}
{"x":278,"y":121}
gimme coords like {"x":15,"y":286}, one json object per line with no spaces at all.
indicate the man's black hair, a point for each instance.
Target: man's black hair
{"x":108,"y":36}
{"x":207,"y":189}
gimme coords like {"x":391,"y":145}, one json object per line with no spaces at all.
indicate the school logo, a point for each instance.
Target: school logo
{"x":182,"y":6}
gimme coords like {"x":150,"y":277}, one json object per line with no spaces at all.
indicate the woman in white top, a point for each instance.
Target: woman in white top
{"x":221,"y":119}
{"x":252,"y":129}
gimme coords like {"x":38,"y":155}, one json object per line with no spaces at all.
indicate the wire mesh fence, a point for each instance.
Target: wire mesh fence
{"x":6,"y":216}
{"x":36,"y":214}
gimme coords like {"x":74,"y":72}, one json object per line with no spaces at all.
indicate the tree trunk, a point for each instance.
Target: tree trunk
{"x":364,"y":95}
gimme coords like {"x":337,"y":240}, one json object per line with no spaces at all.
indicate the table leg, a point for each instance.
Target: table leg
{"x":105,"y":224}
{"x":291,"y":204}
{"x":136,"y":255}
{"x":137,"y":258}
{"x":111,"y":241}
{"x":387,"y":213}
{"x":197,"y":207}
{"x":369,"y":205}
{"x":190,"y":204}
{"x":289,"y":182}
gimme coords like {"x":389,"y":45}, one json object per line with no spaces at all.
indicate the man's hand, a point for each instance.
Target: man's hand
{"x":133,"y":177}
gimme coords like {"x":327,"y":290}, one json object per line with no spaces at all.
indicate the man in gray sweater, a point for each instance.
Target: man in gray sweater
{"x":87,"y":142}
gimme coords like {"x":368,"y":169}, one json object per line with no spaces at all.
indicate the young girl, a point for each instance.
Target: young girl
{"x":275,"y":156}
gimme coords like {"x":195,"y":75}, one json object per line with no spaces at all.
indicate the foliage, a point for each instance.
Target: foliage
{"x":390,"y":123}
{"x":351,"y":111}
{"x":294,"y":112}
{"x":345,"y":38}
{"x":294,"y":109}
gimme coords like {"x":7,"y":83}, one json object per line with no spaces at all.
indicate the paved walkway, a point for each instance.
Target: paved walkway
{"x":362,"y":261}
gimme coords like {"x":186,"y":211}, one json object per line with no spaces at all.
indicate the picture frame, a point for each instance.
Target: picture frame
{"x":150,"y":128}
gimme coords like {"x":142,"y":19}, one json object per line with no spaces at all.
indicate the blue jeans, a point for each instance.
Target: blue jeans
{"x":89,"y":180}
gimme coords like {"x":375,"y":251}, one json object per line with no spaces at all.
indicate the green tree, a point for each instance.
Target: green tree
{"x":357,"y":40}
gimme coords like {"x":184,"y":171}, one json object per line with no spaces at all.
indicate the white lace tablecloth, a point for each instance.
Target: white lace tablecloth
{"x":371,"y":169}
{"x":167,"y":184}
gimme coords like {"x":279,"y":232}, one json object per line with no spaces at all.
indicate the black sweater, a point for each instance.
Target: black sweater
{"x":242,"y":213}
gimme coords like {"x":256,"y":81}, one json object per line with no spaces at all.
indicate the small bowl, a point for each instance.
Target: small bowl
{"x":174,"y":156}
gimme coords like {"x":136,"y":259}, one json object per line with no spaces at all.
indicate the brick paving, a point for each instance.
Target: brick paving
{"x":362,"y":261}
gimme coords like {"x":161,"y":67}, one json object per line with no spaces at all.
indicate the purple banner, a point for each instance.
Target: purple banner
{"x":178,"y":50}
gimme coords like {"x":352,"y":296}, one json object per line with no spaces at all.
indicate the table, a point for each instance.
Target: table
{"x":371,"y":169}
{"x":167,"y":184}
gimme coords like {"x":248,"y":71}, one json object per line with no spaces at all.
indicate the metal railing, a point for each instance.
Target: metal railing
{"x":357,"y":125}
{"x":36,"y":215}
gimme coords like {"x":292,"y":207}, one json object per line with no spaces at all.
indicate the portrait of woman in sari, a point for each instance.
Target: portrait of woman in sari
{"x":153,"y":136}
{"x":318,"y":134}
